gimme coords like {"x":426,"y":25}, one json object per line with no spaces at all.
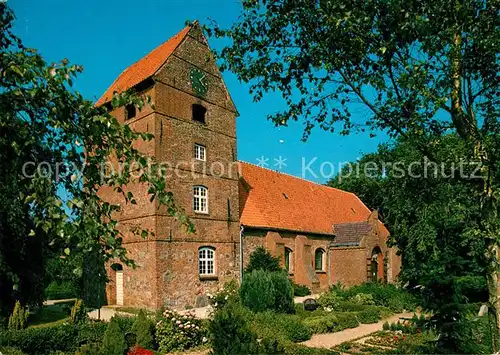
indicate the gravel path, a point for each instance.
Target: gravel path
{"x":331,"y":339}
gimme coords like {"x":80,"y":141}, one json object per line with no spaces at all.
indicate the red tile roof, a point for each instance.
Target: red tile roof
{"x":273,"y":200}
{"x":144,"y":68}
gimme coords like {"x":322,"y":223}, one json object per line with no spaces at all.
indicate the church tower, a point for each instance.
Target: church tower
{"x":192,"y":118}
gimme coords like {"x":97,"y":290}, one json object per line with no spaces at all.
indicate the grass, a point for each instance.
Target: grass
{"x":47,"y":316}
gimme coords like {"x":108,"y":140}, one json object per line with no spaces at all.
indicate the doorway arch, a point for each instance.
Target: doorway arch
{"x":118,"y":268}
{"x":376,"y":265}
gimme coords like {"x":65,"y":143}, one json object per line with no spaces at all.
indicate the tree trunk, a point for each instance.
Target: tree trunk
{"x":467,"y":129}
{"x":494,"y":292}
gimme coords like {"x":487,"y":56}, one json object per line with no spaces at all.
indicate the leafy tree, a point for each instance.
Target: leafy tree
{"x":416,"y":69}
{"x":261,"y":259}
{"x":429,"y":216}
{"x":54,"y":149}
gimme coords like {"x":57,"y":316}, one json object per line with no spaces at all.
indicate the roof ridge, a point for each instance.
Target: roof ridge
{"x":297,"y":177}
{"x":137,"y":72}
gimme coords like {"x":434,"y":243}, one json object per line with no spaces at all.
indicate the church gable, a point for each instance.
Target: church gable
{"x":192,"y":69}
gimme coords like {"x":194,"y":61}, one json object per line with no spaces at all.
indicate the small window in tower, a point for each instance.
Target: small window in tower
{"x":129,"y":112}
{"x":199,"y":113}
{"x":200,"y":152}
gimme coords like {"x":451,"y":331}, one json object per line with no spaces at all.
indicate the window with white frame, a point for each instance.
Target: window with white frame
{"x":200,"y":152}
{"x":206,"y":261}
{"x":200,"y":199}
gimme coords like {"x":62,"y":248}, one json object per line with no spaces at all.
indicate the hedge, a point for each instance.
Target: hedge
{"x":43,"y":340}
{"x":333,"y":322}
{"x":59,"y":291}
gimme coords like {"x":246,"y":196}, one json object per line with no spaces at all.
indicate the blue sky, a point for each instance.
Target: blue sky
{"x":107,"y":36}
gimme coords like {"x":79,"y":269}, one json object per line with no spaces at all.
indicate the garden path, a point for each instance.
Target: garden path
{"x":331,"y":339}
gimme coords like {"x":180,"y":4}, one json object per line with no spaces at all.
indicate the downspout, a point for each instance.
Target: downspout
{"x":241,"y":252}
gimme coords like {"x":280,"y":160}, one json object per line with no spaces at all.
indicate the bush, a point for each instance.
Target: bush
{"x":300,"y":290}
{"x":231,"y":332}
{"x":362,"y":299}
{"x":125,"y":323}
{"x":261,"y":259}
{"x":283,"y":293}
{"x":90,"y":332}
{"x":369,"y":315}
{"x":261,"y":291}
{"x":43,"y":340}
{"x":113,"y":342}
{"x":178,"y":332}
{"x":89,"y":349}
{"x":285,"y":327}
{"x":228,"y":293}
{"x":19,"y":318}
{"x":330,"y":299}
{"x":386,"y":326}
{"x":78,"y":313}
{"x":7,"y":350}
{"x":59,"y":291}
{"x":143,"y":330}
{"x":331,"y":323}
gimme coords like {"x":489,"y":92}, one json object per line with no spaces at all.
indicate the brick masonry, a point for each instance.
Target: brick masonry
{"x":167,"y":263}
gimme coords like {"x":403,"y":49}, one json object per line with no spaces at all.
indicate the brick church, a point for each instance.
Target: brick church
{"x":322,"y":235}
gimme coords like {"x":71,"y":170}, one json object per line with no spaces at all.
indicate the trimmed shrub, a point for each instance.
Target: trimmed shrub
{"x":90,"y":332}
{"x":178,"y":332}
{"x":261,"y":291}
{"x":330,"y":299}
{"x":286,"y":327}
{"x":300,"y":290}
{"x":261,"y":259}
{"x":283,"y":293}
{"x":113,"y":342}
{"x":59,"y":291}
{"x":369,"y":315}
{"x":257,"y":291}
{"x":231,"y":331}
{"x":78,"y":313}
{"x":362,"y":298}
{"x":19,"y":318}
{"x":143,"y":330}
{"x":332,"y":323}
{"x":43,"y":340}
{"x":89,"y":349}
{"x":125,"y":322}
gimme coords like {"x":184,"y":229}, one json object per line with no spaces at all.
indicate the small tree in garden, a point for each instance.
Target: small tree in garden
{"x":78,"y":313}
{"x":231,"y":332}
{"x":113,"y":342}
{"x":19,"y":317}
{"x":261,"y":291}
{"x":283,"y":293}
{"x":142,"y":328}
{"x":261,"y":259}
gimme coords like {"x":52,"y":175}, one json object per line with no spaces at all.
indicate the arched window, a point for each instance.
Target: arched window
{"x":288,"y":260}
{"x":206,"y":261}
{"x":319,"y":260}
{"x":200,"y":199}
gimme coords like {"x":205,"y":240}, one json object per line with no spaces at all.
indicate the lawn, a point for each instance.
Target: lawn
{"x":47,"y":316}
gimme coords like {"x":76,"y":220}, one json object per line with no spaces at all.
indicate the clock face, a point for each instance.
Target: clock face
{"x":199,"y":81}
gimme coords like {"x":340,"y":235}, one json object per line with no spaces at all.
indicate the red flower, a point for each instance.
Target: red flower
{"x":137,"y":350}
